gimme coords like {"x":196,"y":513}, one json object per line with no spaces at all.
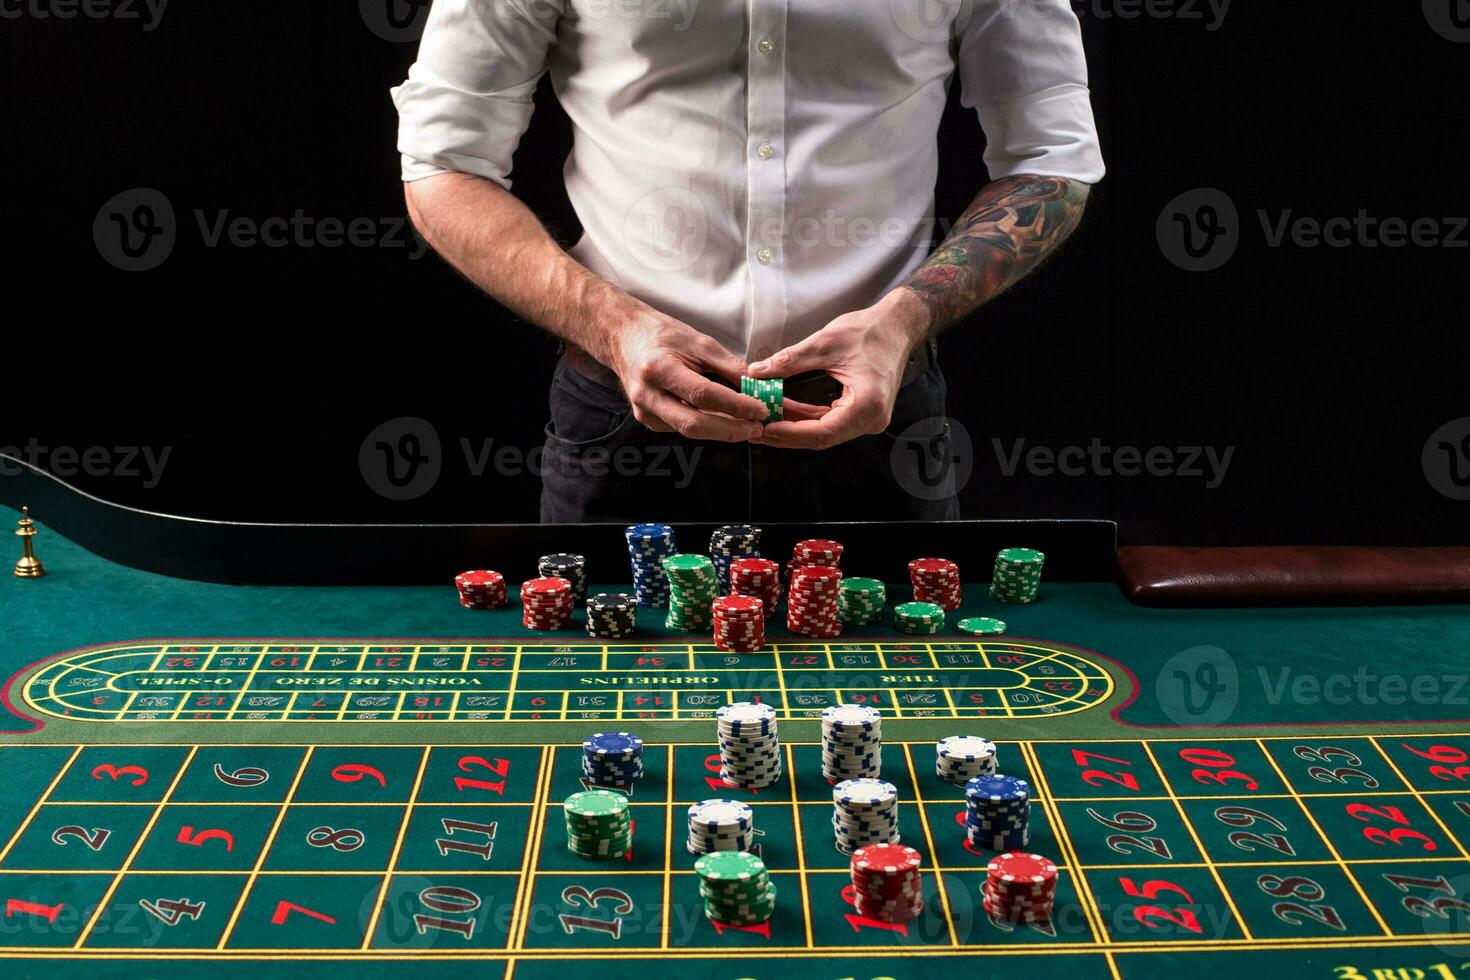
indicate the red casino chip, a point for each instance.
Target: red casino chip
{"x":546,"y":603}
{"x":739,"y":623}
{"x":886,"y":882}
{"x":936,"y":580}
{"x":816,"y":551}
{"x":811,"y":604}
{"x":759,"y":577}
{"x":482,"y":589}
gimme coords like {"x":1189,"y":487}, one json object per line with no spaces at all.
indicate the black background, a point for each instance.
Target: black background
{"x":262,"y":369}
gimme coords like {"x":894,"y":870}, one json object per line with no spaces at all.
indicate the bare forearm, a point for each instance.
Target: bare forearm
{"x":496,"y":242}
{"x":1005,"y":235}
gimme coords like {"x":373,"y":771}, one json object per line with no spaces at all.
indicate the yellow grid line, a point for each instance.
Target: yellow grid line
{"x":908,"y":756}
{"x":24,"y":824}
{"x":265,"y":849}
{"x":133,"y":853}
{"x":1331,"y":848}
{"x":1419,"y":796}
{"x":1198,"y":843}
{"x":1091,"y":909}
{"x":536,"y":831}
{"x":413,"y":795}
{"x":800,"y":835}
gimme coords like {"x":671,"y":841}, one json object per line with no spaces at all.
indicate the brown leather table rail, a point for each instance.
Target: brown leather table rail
{"x":1293,"y":576}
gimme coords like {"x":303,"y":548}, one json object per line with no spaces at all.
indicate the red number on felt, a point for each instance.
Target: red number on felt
{"x":500,"y":767}
{"x":1091,"y":776}
{"x":1147,"y":913}
{"x":188,"y":836}
{"x":116,"y":772}
{"x":1447,"y":754}
{"x":14,"y":906}
{"x":861,"y":922}
{"x":284,"y":909}
{"x":351,"y":773}
{"x":1217,"y":760}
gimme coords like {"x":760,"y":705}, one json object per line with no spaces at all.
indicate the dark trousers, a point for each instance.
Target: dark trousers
{"x":601,"y":465}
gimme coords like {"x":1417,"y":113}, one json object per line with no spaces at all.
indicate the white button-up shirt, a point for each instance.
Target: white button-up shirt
{"x":755,"y":168}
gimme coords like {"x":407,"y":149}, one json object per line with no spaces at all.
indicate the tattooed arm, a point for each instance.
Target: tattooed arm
{"x":1006,"y":234}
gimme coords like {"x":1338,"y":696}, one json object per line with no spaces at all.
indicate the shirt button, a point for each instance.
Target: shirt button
{"x":766,"y":151}
{"x":766,"y":45}
{"x":764,"y":256}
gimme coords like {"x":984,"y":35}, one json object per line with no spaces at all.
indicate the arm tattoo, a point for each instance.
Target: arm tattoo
{"x":1005,"y":235}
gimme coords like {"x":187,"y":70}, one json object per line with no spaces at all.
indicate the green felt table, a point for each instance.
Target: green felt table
{"x":200,"y":777}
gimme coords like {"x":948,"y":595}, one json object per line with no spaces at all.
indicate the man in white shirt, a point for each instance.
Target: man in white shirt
{"x":755,"y":180}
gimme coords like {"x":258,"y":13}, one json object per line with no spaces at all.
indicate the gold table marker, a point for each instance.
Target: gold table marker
{"x":29,"y":565}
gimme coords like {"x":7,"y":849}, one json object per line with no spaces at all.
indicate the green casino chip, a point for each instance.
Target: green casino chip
{"x":982,"y":626}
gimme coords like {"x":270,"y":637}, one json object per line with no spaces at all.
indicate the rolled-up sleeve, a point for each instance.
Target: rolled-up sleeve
{"x":1023,"y":70}
{"x":469,"y":97}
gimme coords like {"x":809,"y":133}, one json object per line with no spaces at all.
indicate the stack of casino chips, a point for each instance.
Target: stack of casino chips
{"x":481,"y":589}
{"x":886,"y":882}
{"x":613,"y":760}
{"x":811,"y":605}
{"x":816,"y":551}
{"x":1017,"y":575}
{"x":998,"y":812}
{"x":936,"y":580}
{"x":573,"y":568}
{"x":860,"y":601}
{"x":750,"y":748}
{"x":1020,"y":887}
{"x":612,"y":615}
{"x":648,"y":546}
{"x":918,"y":618}
{"x":852,"y":742}
{"x":864,"y":812}
{"x":960,"y":758}
{"x":693,"y":589}
{"x":736,"y":888}
{"x":599,"y":825}
{"x":720,"y":825}
{"x":740,"y":623}
{"x":546,"y":603}
{"x":758,"y":577}
{"x":730,"y":542}
{"x":771,"y":392}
